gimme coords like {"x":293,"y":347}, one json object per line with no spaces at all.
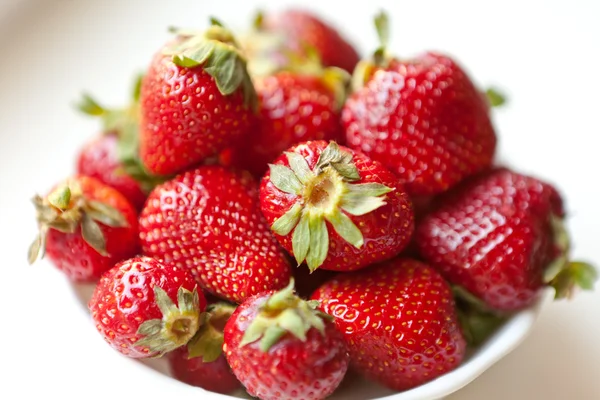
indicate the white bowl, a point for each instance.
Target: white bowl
{"x":501,"y":343}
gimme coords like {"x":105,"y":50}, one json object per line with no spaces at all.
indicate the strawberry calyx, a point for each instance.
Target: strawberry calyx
{"x":217,"y":51}
{"x":65,"y":209}
{"x":564,"y":275}
{"x":325,"y":194}
{"x":284,"y":312}
{"x":309,"y":63}
{"x":380,"y":59}
{"x":179,"y":323}
{"x":208,"y":341}
{"x":477,"y":320}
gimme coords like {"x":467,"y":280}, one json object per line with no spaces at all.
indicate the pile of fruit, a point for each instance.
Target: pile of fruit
{"x":271,"y":210}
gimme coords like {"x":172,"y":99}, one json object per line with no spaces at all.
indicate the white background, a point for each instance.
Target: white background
{"x":545,"y":56}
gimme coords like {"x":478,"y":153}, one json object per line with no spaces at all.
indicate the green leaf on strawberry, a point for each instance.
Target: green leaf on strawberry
{"x":325,"y":193}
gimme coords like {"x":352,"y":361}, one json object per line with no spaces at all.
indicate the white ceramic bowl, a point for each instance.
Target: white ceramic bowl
{"x":501,"y":343}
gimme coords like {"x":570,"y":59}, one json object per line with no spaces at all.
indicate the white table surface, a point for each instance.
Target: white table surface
{"x":545,"y":55}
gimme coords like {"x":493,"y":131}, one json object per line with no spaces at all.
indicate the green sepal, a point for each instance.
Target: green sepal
{"x":288,"y":221}
{"x":92,"y":234}
{"x":495,"y":97}
{"x":179,"y":323}
{"x":284,"y":179}
{"x":362,"y":199}
{"x":344,"y":227}
{"x":301,"y":239}
{"x":283,"y":313}
{"x":575,"y":274}
{"x":339,"y":160}
{"x":219,"y":54}
{"x":319,"y":243}
{"x":477,"y":320}
{"x":36,"y":249}
{"x":300,"y":167}
{"x":382,"y":27}
{"x":207,"y":343}
{"x":89,"y":106}
{"x":61,"y":197}
{"x":563,"y":274}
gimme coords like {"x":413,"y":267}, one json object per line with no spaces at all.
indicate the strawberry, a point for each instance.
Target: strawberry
{"x":422,"y":118}
{"x":399,"y":322}
{"x":208,"y":221}
{"x":112,"y":157}
{"x":295,"y":106}
{"x":134,"y":307}
{"x":280,"y":347}
{"x":85,"y":227}
{"x":196,"y":98}
{"x":335,"y":208}
{"x":302,"y":30}
{"x":99,"y":159}
{"x":202,"y":362}
{"x":501,"y":237}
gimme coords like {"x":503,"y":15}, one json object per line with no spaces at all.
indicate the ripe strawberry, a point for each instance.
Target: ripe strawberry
{"x":422,"y":118}
{"x":112,"y":157}
{"x":295,"y":106}
{"x":196,"y":98}
{"x":202,"y":362}
{"x":335,"y":208}
{"x":501,"y":237}
{"x":280,"y":347}
{"x":399,"y":322}
{"x":208,"y":221}
{"x":85,"y":227}
{"x":302,"y":30}
{"x":133,"y":307}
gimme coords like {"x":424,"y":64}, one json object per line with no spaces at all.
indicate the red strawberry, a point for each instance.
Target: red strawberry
{"x":279,"y":347}
{"x":399,"y":322}
{"x":196,"y":98}
{"x":98,"y":159}
{"x":85,"y":227}
{"x":208,"y":221}
{"x":335,"y":208}
{"x":144,"y":308}
{"x":302,"y":30}
{"x":501,"y":236}
{"x":202,"y":362}
{"x":294,"y":107}
{"x":422,"y":118}
{"x":112,"y":158}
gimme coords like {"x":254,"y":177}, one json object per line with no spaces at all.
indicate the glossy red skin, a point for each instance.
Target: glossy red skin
{"x":124,"y":299}
{"x":291,"y":369}
{"x":293,"y":108}
{"x":184,"y":117}
{"x":386,"y":231}
{"x":98,"y":159}
{"x":425,"y":120}
{"x":215,"y":376}
{"x":305,"y":29}
{"x":493,"y":237}
{"x":78,"y":260}
{"x":208,"y":221}
{"x":399,"y":322}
